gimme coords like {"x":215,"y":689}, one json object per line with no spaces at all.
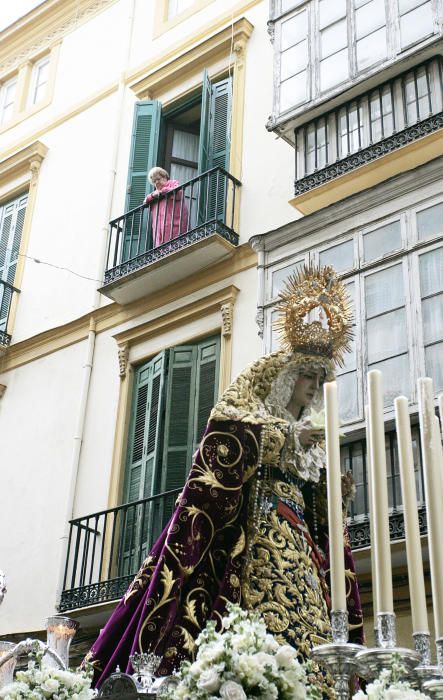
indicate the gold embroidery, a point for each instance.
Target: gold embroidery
{"x":282,"y":583}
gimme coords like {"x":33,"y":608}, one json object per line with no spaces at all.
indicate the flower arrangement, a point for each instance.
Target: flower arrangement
{"x":241,"y":661}
{"x":40,"y":682}
{"x":391,"y":686}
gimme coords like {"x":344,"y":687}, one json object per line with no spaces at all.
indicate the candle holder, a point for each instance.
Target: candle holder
{"x":145,"y":666}
{"x":8,"y":666}
{"x":425,"y":671}
{"x":372,"y":661}
{"x":60,"y":631}
{"x":339,"y":656}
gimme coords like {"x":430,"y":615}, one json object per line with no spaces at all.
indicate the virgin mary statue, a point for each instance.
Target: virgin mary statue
{"x":250,"y":524}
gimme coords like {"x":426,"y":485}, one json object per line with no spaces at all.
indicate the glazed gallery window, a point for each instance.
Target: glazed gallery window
{"x":402,"y":102}
{"x":322,"y":44}
{"x":394,"y":274}
{"x":172,"y":397}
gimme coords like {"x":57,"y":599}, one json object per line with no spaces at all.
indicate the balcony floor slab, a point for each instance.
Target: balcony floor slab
{"x":144,"y":279}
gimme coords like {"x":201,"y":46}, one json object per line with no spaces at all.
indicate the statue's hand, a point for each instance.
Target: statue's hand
{"x":310,"y":436}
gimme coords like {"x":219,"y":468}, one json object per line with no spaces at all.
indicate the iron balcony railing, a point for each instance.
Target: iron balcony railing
{"x":106,"y":549}
{"x":7,"y":292}
{"x":377,"y":122}
{"x":199,"y":208}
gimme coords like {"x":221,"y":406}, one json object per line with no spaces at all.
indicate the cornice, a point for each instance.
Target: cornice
{"x":153,"y":78}
{"x":42,"y":27}
{"x":185,"y":314}
{"x":386,"y":191}
{"x":26,"y":160}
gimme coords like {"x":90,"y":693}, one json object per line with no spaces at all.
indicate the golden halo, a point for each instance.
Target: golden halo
{"x":315,"y":315}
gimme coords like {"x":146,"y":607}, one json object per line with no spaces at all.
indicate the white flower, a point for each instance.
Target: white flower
{"x":209,"y":681}
{"x":50,"y":686}
{"x":230,"y":690}
{"x":285,"y":655}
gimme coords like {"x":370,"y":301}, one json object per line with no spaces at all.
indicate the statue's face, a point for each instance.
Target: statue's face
{"x":307,"y":384}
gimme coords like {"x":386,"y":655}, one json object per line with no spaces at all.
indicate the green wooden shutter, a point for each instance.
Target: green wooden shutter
{"x":12,"y":217}
{"x":191,"y":393}
{"x":143,"y":157}
{"x":144,"y":449}
{"x":215,"y":145}
{"x":206,"y":390}
{"x":203,"y":146}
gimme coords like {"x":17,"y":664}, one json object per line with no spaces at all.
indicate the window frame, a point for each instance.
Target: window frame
{"x":13,"y":80}
{"x":408,"y":256}
{"x":34,"y":85}
{"x":394,"y":49}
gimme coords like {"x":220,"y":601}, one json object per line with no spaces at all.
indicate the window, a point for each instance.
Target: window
{"x":12,"y":216}
{"x":394,"y":273}
{"x":326,"y":43}
{"x":7,"y":100}
{"x":366,"y":120}
{"x":39,"y":81}
{"x":353,"y":459}
{"x":293,"y":61}
{"x":172,"y":398}
{"x":188,"y":139}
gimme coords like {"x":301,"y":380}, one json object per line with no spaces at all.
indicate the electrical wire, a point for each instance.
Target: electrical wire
{"x":59,"y":267}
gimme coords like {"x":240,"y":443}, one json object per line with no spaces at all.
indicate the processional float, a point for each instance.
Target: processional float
{"x":341,"y":658}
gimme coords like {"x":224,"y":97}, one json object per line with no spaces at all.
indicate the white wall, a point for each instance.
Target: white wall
{"x":38,"y":417}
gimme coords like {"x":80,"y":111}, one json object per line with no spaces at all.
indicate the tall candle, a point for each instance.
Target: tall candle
{"x":335,"y":508}
{"x":369,"y":471}
{"x":382,"y":544}
{"x":431,"y":452}
{"x":410,"y":514}
{"x":440,"y":409}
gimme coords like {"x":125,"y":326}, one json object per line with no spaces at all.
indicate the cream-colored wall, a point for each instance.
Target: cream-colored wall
{"x":38,"y":417}
{"x":39,"y":411}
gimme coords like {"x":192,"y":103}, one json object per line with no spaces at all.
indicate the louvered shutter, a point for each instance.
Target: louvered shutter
{"x":144,"y":449}
{"x":11,"y":228}
{"x":143,"y":156}
{"x":191,"y":393}
{"x":206,"y":390}
{"x":218,"y":146}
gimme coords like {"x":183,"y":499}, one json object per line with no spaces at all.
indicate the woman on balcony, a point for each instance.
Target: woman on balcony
{"x":168,"y":212}
{"x":250,"y":525}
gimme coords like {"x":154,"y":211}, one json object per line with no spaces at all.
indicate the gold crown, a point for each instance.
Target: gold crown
{"x":315,"y":316}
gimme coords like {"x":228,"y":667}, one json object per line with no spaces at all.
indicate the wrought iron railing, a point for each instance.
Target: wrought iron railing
{"x":107,"y":548}
{"x":171,"y":221}
{"x":367,"y":127}
{"x":7,"y":292}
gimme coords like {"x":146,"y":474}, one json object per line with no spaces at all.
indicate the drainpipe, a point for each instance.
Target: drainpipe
{"x":89,"y":361}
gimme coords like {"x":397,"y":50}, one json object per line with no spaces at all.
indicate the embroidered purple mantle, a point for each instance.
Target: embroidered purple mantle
{"x":195,"y":567}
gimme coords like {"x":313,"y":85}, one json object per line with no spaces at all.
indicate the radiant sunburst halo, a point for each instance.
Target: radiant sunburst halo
{"x":315,"y":314}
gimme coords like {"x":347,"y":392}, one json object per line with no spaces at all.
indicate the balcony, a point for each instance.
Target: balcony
{"x":174,"y":236}
{"x":7,"y":293}
{"x":392,"y":128}
{"x":106,"y":549}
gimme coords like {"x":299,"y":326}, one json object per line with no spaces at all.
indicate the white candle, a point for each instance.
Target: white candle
{"x":440,"y":409}
{"x":335,"y":508}
{"x":369,"y":471}
{"x":410,"y":514}
{"x":431,"y":452}
{"x":382,"y":544}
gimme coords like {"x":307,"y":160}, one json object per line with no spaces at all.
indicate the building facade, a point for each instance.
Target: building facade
{"x":116,"y":337}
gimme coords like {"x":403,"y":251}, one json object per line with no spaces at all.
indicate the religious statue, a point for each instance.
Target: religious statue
{"x":250,"y":525}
